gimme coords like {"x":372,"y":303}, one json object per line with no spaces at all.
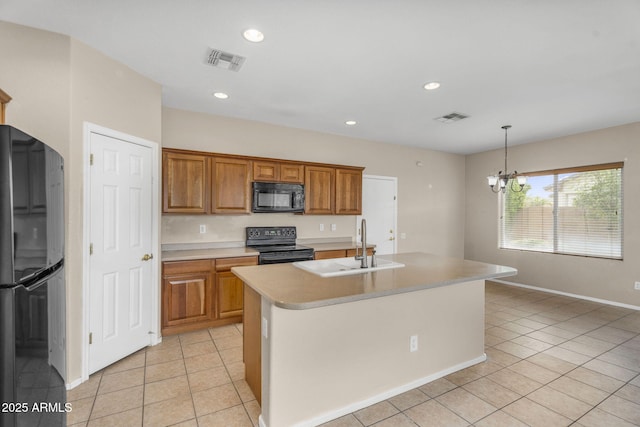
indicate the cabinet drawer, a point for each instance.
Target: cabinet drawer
{"x":292,"y":173}
{"x":266,"y":171}
{"x":330,"y":254}
{"x":181,"y":267}
{"x":352,"y":252}
{"x":225,"y":264}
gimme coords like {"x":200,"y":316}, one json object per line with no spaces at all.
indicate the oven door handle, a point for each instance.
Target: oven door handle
{"x":275,"y":259}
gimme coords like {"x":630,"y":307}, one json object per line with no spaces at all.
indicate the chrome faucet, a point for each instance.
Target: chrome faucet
{"x":363,"y":243}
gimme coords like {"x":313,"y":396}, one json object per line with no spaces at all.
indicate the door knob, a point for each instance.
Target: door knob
{"x":147,"y":257}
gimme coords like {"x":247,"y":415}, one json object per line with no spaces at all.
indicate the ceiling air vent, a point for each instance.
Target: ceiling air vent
{"x":451,"y":117}
{"x":226,"y":60}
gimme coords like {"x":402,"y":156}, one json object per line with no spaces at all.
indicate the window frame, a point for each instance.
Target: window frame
{"x":502,"y":223}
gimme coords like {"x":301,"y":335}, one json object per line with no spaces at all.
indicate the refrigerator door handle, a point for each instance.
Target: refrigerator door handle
{"x":42,"y":277}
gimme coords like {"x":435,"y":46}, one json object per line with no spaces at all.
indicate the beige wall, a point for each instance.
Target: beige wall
{"x":56,"y":84}
{"x":430,"y":198}
{"x":592,"y":277}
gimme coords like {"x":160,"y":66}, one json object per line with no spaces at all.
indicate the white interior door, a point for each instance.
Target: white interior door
{"x":379,"y":208}
{"x":120,"y":231}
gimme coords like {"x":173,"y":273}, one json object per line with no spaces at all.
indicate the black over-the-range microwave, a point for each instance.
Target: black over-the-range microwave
{"x":277,"y":197}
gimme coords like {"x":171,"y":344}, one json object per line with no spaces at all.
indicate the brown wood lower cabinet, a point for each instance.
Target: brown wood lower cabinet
{"x":230,"y":300}
{"x":200,"y":294}
{"x":339,"y":253}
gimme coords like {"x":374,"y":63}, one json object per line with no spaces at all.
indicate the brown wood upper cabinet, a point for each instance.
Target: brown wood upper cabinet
{"x":278,"y":172}
{"x":331,"y":191}
{"x":348,"y":192}
{"x":231,"y":185}
{"x":197,"y":183}
{"x":185,"y":182}
{"x":320,"y":187}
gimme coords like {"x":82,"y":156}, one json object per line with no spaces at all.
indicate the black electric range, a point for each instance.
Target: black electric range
{"x":277,"y":245}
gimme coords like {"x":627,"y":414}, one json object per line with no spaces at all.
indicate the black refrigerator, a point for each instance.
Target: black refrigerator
{"x":32,"y":284}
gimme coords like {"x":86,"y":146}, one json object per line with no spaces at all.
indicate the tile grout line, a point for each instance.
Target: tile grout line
{"x":581,"y":365}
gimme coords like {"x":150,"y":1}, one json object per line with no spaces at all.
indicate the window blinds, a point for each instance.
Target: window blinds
{"x":575,"y":211}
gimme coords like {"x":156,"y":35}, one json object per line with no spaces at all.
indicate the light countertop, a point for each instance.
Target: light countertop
{"x":192,"y":254}
{"x":290,"y":287}
{"x":185,"y":254}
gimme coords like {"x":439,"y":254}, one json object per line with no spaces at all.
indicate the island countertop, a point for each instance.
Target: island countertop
{"x":289,"y":287}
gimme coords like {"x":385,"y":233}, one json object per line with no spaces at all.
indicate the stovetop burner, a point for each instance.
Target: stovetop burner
{"x":279,"y":248}
{"x":277,"y":245}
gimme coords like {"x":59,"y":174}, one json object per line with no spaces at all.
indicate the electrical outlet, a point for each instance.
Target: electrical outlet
{"x":334,"y":227}
{"x":637,"y":286}
{"x":321,"y":227}
{"x":203,"y":228}
{"x":413,"y":343}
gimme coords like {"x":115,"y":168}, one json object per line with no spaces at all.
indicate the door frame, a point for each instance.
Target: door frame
{"x":394,"y":180}
{"x":88,"y":129}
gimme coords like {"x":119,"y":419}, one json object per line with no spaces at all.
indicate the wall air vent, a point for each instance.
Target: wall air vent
{"x":226,"y":60}
{"x":451,"y":117}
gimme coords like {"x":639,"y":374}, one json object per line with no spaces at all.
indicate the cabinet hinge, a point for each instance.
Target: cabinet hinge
{"x":91,"y":159}
{"x":90,"y":248}
{"x":90,"y":337}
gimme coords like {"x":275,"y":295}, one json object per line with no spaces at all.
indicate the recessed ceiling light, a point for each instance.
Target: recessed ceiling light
{"x":253,"y":35}
{"x":220,"y":95}
{"x":431,"y":85}
{"x":350,"y":123}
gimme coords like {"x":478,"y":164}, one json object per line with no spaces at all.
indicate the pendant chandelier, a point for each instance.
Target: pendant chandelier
{"x":505,"y":178}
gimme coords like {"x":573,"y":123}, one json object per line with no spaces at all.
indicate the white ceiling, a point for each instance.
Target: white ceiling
{"x":548,"y":67}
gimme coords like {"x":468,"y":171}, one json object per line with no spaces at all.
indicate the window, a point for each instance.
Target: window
{"x":575,"y":211}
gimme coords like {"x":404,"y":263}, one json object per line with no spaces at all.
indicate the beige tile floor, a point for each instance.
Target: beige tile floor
{"x":551,"y":361}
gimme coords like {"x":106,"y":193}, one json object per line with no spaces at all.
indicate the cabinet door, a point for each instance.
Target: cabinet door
{"x":231,"y":186}
{"x":266,"y":171}
{"x":319,"y":187}
{"x":348,"y":192}
{"x":230,"y":301}
{"x":292,"y":173}
{"x":230,"y":288}
{"x":187,"y":297}
{"x":184,"y":183}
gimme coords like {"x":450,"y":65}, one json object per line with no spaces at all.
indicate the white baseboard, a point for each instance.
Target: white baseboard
{"x":567,"y":294}
{"x":332,"y":415}
{"x":74,"y":384}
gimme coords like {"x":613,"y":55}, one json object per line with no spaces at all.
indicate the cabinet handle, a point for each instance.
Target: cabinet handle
{"x":391,"y":238}
{"x":147,"y":257}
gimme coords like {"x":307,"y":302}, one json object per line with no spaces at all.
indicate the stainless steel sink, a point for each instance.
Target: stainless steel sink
{"x":343,"y":266}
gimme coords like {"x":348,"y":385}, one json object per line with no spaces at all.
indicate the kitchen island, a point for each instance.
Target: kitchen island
{"x":318,"y":348}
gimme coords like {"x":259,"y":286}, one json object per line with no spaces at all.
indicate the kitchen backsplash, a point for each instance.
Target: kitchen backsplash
{"x":231,"y":228}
